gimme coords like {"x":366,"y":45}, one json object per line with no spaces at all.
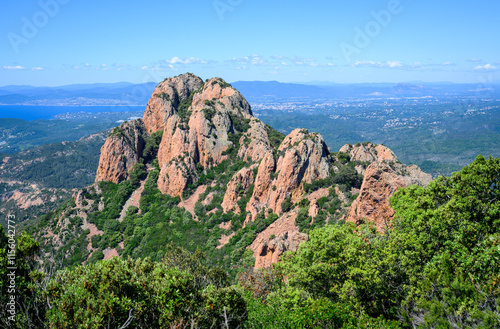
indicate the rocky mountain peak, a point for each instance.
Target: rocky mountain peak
{"x":382,"y":178}
{"x":303,"y":157}
{"x":225,"y":163}
{"x":167,"y":98}
{"x":121,"y":151}
{"x":369,"y":152}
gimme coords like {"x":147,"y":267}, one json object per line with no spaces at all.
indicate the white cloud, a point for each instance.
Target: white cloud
{"x":17,"y":67}
{"x":276,"y":60}
{"x":120,"y":66}
{"x":186,"y":60}
{"x":389,"y":64}
{"x":403,"y":66}
{"x":103,"y":67}
{"x":366,"y":64}
{"x":299,"y":60}
{"x":37,"y":68}
{"x":393,"y":64}
{"x":486,"y":67}
{"x":254,"y":60}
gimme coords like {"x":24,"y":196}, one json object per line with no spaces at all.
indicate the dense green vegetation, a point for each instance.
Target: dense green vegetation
{"x":58,"y":165}
{"x":436,"y":267}
{"x":44,"y":201}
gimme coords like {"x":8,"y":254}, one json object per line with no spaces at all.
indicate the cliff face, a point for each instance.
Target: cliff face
{"x":121,"y":151}
{"x":368,"y":152}
{"x":208,"y":127}
{"x":197,"y":125}
{"x":166,"y":98}
{"x":238,"y":185}
{"x":303,"y":157}
{"x":382,"y":178}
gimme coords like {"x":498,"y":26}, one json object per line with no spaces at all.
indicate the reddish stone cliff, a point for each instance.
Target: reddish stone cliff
{"x":121,"y":151}
{"x":382,"y":178}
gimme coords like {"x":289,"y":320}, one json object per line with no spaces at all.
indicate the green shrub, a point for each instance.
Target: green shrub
{"x":286,"y":205}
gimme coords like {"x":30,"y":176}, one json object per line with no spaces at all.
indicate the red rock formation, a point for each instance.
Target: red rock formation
{"x":304,"y":158}
{"x":201,"y":134}
{"x":203,"y":123}
{"x":278,"y":238}
{"x":381,"y":180}
{"x":238,"y":185}
{"x":166,"y":96}
{"x":255,"y":142}
{"x":263,"y":183}
{"x":121,"y":151}
{"x":369,"y":152}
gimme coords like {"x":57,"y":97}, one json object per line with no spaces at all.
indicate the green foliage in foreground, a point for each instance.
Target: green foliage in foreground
{"x":144,"y":293}
{"x":180,"y":291}
{"x":437,"y":267}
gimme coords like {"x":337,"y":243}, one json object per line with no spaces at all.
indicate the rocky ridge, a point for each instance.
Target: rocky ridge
{"x":121,"y":151}
{"x":208,"y":127}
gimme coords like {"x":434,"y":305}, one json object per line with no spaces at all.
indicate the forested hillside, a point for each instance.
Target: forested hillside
{"x":436,"y":266}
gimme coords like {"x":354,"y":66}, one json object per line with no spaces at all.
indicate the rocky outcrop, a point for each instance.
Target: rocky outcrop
{"x":166,"y":99}
{"x":206,"y":123}
{"x":313,"y":199}
{"x":304,"y":157}
{"x":254,"y":144}
{"x":238,"y":186}
{"x":270,"y":250}
{"x":263,"y":183}
{"x":198,"y":132}
{"x":381,"y":180}
{"x":121,"y":151}
{"x":368,"y":152}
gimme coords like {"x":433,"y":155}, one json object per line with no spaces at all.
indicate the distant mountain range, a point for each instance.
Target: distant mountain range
{"x":121,"y":93}
{"x":125,"y":93}
{"x":261,"y":90}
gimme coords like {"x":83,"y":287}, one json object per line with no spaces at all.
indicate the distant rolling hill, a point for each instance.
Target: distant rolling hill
{"x":125,"y":93}
{"x":262,"y":90}
{"x":121,"y":93}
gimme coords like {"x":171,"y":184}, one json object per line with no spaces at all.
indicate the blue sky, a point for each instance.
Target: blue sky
{"x":57,"y":42}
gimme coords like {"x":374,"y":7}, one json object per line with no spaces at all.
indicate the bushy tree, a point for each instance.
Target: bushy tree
{"x":20,"y":280}
{"x":449,"y":233}
{"x":437,"y":267}
{"x":143,"y":294}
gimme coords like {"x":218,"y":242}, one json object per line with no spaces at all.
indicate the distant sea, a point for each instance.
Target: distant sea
{"x":48,"y":112}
